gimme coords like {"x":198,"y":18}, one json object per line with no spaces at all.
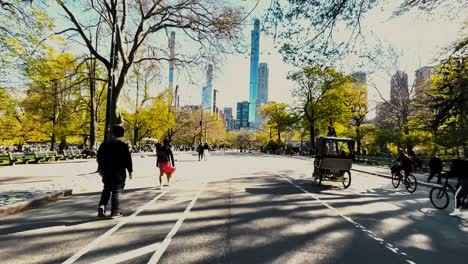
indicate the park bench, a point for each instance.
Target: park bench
{"x":22,"y":157}
{"x":46,"y":155}
{"x":4,"y":159}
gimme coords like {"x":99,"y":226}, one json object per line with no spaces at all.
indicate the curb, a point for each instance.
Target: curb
{"x":35,"y":202}
{"x":426,"y":184}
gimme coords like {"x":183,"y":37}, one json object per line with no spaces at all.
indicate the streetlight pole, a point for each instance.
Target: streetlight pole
{"x":110,"y":74}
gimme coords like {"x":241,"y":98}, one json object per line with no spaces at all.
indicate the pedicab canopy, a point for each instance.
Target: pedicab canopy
{"x":335,"y":147}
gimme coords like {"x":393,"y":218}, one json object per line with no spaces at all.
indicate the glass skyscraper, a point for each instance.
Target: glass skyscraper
{"x":208,"y":89}
{"x":262,"y":95}
{"x":254,"y":59}
{"x":242,"y":114}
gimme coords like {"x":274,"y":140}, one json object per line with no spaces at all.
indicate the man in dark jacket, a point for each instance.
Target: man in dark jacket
{"x":113,"y":159}
{"x":435,"y":166}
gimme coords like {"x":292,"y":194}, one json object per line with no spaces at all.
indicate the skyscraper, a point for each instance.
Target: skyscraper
{"x":262,"y":96}
{"x":422,"y":80}
{"x":242,"y":114}
{"x":171,"y":61}
{"x":207,"y":89}
{"x":254,"y":59}
{"x":228,"y":118}
{"x":399,"y":92}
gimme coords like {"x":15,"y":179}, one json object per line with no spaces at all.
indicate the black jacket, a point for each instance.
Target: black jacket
{"x":164,"y":154}
{"x":113,"y":159}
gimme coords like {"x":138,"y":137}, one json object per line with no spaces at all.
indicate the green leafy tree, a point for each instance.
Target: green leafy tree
{"x":321,"y":103}
{"x":278,"y":117}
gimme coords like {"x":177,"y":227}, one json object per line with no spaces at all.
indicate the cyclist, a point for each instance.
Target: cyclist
{"x":459,"y":168}
{"x":405,"y":162}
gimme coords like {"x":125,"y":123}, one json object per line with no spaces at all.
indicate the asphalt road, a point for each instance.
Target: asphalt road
{"x":238,"y":208}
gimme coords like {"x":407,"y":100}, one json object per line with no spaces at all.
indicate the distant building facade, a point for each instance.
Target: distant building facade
{"x":262,"y":96}
{"x":422,"y":80}
{"x":399,"y":92}
{"x":242,"y":115}
{"x":229,"y":119}
{"x":208,"y":89}
{"x":254,"y":60}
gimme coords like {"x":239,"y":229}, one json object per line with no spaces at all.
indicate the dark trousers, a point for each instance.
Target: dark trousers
{"x":434,"y":173}
{"x":200,"y":155}
{"x":113,"y":192}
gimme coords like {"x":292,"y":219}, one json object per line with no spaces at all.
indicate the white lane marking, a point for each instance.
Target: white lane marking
{"x":130,"y":255}
{"x":387,"y":245}
{"x":109,"y":232}
{"x":167,"y":240}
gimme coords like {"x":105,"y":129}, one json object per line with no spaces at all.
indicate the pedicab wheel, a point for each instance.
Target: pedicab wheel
{"x":395,"y":180}
{"x":411,"y":183}
{"x":439,"y":197}
{"x":346,"y":179}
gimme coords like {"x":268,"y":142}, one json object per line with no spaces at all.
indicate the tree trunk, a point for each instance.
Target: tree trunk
{"x":92,"y":92}
{"x":358,"y":141}
{"x":312,"y":139}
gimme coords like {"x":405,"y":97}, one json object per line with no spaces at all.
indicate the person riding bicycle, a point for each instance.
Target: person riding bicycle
{"x":405,"y":162}
{"x":459,"y":169}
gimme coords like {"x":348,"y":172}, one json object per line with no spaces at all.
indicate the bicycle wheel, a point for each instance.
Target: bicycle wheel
{"x":396,"y":179}
{"x":411,"y":183}
{"x":439,"y":197}
{"x":346,"y":179}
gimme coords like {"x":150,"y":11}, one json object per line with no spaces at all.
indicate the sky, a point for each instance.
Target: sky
{"x":417,"y":37}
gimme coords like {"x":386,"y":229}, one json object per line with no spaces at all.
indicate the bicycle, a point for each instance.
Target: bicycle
{"x":440,"y":198}
{"x":409,"y":181}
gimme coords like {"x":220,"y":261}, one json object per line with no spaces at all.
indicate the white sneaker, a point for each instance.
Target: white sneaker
{"x":161,"y":186}
{"x":456,"y":212}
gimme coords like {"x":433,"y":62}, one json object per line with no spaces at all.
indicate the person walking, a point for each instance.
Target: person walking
{"x":206,"y":148}
{"x":435,"y":166}
{"x":164,"y":157}
{"x":200,"y":151}
{"x":113,"y":159}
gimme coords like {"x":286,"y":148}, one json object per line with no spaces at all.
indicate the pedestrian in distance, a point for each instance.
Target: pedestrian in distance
{"x":206,"y":148}
{"x":435,"y":166}
{"x":164,"y":159}
{"x":113,"y":159}
{"x":200,"y":151}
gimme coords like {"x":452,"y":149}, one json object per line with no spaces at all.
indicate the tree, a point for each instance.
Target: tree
{"x":307,"y":31}
{"x":278,"y":117}
{"x":52,"y":99}
{"x":356,"y":101}
{"x":244,"y":139}
{"x":449,"y":101}
{"x":315,"y":92}
{"x":139,"y":26}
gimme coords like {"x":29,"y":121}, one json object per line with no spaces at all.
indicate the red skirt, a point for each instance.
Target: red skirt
{"x":166,"y":167}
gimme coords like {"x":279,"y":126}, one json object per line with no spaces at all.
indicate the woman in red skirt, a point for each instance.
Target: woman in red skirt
{"x":164,"y":158}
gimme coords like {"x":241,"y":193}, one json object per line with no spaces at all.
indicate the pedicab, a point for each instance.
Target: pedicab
{"x":333,"y":160}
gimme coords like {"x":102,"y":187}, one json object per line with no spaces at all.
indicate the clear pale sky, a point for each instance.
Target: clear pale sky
{"x":417,"y":38}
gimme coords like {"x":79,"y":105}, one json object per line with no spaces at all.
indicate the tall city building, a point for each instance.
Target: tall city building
{"x":254,"y":60}
{"x":171,"y":61}
{"x":422,"y":79}
{"x":242,"y":114}
{"x":399,"y":93}
{"x":262,"y":96}
{"x":208,"y":89}
{"x":229,"y":118}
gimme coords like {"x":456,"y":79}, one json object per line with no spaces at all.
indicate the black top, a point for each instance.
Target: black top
{"x":114,"y":157}
{"x":164,"y":154}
